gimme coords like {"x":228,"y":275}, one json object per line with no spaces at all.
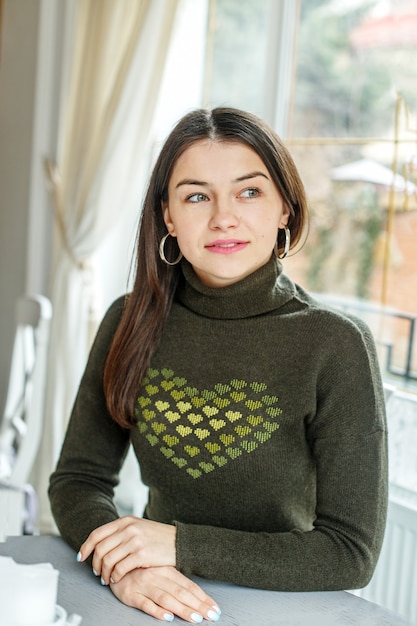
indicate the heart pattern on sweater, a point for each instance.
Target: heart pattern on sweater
{"x":200,"y":430}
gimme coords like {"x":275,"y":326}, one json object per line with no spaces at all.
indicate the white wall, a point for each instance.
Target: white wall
{"x":17,"y":94}
{"x":33,"y":40}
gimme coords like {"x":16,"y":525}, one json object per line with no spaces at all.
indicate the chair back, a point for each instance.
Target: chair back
{"x":21,"y":425}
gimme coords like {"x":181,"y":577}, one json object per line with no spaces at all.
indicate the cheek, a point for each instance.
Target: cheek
{"x":269,"y":232}
{"x":185,"y":241}
{"x":267,"y":225}
{"x":270,"y":239}
{"x":187,"y":229}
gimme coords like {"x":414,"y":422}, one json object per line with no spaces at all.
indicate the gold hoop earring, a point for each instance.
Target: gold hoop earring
{"x":162,"y":252}
{"x":287,"y":245}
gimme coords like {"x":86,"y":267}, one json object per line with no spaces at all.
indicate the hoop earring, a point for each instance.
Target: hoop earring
{"x":162,"y":252}
{"x":287,"y":244}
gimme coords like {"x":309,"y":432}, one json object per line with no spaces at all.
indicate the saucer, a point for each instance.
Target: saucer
{"x":61,"y":618}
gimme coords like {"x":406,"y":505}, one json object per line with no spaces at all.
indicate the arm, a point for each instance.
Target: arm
{"x":81,"y":488}
{"x":81,"y":494}
{"x":347,"y":438}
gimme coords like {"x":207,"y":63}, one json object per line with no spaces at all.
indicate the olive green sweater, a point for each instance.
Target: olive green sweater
{"x":260,"y":433}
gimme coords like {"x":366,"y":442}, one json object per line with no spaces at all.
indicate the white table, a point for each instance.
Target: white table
{"x":80,"y":592}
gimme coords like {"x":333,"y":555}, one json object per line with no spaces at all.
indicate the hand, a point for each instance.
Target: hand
{"x":126,"y":544}
{"x":164,"y":592}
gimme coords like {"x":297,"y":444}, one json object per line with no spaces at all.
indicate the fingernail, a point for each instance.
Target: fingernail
{"x":213,"y":616}
{"x":94,"y":572}
{"x":216,"y":608}
{"x":103,"y":582}
{"x":79,"y":557}
{"x":111,"y":580}
{"x":168,"y":617}
{"x":196,"y":618}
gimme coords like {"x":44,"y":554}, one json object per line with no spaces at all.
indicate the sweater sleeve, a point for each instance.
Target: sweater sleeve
{"x":82,"y":485}
{"x":347,"y":438}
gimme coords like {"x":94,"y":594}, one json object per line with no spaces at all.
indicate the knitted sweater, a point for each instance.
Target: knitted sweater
{"x":260,"y":433}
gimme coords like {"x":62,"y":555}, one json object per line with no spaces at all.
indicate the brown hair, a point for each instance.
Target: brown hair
{"x":148,"y":306}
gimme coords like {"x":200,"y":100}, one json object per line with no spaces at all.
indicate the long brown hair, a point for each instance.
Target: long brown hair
{"x":149,"y":303}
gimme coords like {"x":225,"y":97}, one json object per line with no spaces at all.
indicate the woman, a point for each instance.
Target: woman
{"x":256,"y":414}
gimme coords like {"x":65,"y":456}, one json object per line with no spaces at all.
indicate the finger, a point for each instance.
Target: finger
{"x":141,"y":602}
{"x":115,"y":561}
{"x":185,"y":598}
{"x":105,"y":556}
{"x":127,"y":525}
{"x":123,"y":551}
{"x":195,"y":589}
{"x":95,"y":537}
{"x":187,"y":606}
{"x":165,"y":596}
{"x":121,"y":566}
{"x":131,"y":556}
{"x":134,"y":543}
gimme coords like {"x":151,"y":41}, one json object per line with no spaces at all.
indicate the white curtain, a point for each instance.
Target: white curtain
{"x":119,"y":53}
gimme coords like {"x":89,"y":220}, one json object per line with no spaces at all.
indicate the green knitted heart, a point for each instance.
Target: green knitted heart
{"x":200,"y":430}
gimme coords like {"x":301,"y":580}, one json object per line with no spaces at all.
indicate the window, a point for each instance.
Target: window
{"x":343,"y":86}
{"x":237,"y":53}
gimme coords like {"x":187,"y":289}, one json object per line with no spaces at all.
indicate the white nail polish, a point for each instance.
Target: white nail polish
{"x":94,"y":572}
{"x":196,"y":618}
{"x":168,"y":617}
{"x":213,"y":616}
{"x":79,"y":557}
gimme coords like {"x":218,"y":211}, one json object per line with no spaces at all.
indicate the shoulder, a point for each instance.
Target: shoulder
{"x":345,"y":359}
{"x":329,"y":318}
{"x":332,"y":334}
{"x":343,"y":343}
{"x":114,"y":312}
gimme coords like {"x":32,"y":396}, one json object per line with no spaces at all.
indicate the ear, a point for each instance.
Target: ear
{"x":167,"y":219}
{"x":285,"y":216}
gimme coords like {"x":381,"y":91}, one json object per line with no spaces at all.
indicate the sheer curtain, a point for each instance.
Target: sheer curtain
{"x":119,"y":53}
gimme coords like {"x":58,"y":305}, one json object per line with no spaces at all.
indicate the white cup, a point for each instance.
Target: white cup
{"x":28,"y":594}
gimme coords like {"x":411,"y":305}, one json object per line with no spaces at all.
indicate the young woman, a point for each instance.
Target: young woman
{"x":256,"y":413}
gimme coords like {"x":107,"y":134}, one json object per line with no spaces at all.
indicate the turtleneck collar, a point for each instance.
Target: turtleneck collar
{"x":265,"y":290}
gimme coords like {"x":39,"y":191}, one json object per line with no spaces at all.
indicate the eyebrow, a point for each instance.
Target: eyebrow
{"x":251,"y":175}
{"x":192,"y":181}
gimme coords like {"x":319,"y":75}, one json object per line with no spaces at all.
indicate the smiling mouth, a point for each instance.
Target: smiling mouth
{"x":226,"y":247}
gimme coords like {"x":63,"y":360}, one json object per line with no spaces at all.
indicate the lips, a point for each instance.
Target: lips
{"x":226,"y":246}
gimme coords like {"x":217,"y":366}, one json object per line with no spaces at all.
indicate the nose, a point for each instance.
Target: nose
{"x":224,"y":215}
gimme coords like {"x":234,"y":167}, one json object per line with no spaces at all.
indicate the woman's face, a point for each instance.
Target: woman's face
{"x":224,"y":209}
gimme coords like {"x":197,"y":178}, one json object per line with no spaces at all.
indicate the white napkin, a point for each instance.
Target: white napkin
{"x":28,"y":593}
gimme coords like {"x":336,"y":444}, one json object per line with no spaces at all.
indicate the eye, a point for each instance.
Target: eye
{"x":197,"y":197}
{"x":252,"y":192}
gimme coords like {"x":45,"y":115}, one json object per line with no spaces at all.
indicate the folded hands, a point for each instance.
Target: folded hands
{"x":137,"y":558}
